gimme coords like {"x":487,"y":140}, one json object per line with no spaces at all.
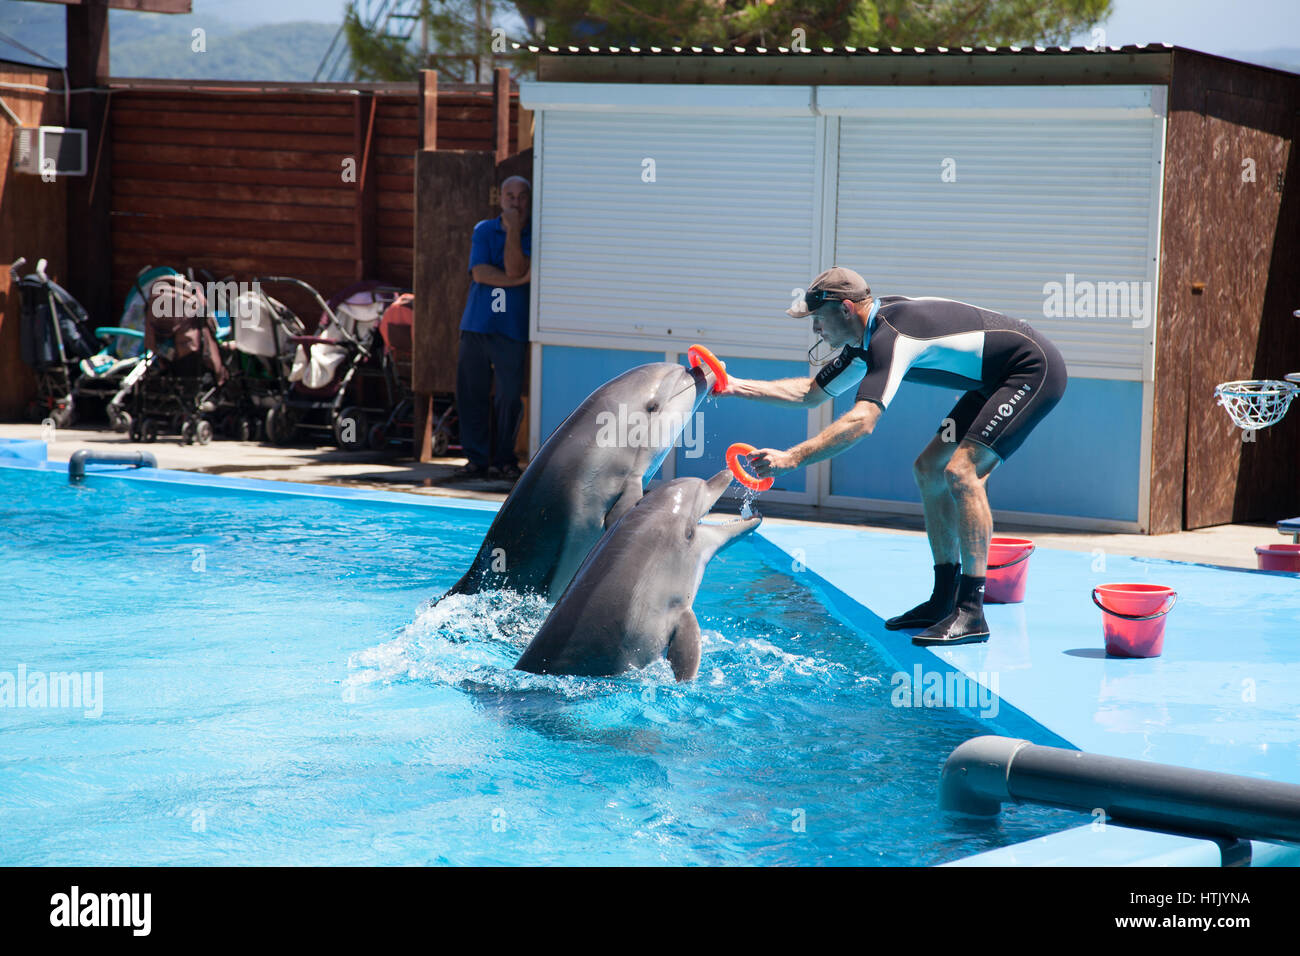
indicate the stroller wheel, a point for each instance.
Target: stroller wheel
{"x":245,"y":429}
{"x":120,"y":420}
{"x":133,"y":429}
{"x":440,"y":443}
{"x":203,"y":431}
{"x":277,"y":425}
{"x":351,"y":428}
{"x":378,"y":438}
{"x":149,"y":430}
{"x":63,"y":416}
{"x":187,"y":433}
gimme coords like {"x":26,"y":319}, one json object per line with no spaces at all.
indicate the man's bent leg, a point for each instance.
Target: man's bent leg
{"x":966,"y":474}
{"x":941,"y":526}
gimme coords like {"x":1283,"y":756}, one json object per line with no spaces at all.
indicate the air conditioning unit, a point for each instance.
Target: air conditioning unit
{"x":50,"y":150}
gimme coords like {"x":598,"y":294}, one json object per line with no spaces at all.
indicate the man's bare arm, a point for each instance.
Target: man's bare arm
{"x":803,"y":392}
{"x":485,"y":274}
{"x":858,"y":422}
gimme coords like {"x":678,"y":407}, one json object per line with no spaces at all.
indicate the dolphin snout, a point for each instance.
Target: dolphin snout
{"x":718,"y":486}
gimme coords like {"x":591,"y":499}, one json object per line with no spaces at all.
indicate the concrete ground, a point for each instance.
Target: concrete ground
{"x":1228,"y":545}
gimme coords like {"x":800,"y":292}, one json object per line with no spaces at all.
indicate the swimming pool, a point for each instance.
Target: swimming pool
{"x":274,"y":690}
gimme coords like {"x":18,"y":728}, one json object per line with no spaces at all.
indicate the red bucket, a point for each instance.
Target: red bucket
{"x":1008,"y":570}
{"x":1278,"y":557}
{"x":1133,"y":617}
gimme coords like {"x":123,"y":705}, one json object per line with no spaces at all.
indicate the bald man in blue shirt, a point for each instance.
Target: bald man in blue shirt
{"x":494,"y":336}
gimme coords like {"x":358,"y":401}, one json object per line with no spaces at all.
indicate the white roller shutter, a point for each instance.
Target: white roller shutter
{"x":1044,"y":192}
{"x":709,"y":251}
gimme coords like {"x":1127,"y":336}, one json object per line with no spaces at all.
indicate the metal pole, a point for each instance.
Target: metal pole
{"x":985,"y":772}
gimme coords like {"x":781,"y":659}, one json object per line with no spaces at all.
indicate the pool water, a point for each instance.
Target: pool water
{"x":277,"y":688}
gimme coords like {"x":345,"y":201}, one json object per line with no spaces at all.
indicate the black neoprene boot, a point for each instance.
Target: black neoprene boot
{"x":938,"y":606}
{"x":965,"y":625}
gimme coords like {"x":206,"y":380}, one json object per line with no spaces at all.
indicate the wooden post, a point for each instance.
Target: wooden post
{"x":89,"y":250}
{"x":501,"y":105}
{"x":423,"y":424}
{"x":525,"y":129}
{"x":429,"y":106}
{"x":366,"y":211}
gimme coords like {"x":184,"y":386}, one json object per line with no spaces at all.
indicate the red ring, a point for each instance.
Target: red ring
{"x":698,"y":354}
{"x":745,"y":478}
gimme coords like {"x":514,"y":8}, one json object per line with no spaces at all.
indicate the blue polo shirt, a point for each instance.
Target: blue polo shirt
{"x":510,"y":318}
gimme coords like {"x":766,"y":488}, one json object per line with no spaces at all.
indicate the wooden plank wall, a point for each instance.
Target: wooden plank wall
{"x":252,"y":183}
{"x":33,"y":223}
{"x":1228,"y":287}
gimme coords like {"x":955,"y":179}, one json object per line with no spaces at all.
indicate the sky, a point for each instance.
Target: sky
{"x":1212,"y":26}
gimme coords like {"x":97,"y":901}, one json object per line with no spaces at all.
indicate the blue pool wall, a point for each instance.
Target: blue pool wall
{"x":1082,"y":461}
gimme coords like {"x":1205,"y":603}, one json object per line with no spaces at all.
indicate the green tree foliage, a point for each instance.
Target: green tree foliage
{"x":459,"y":35}
{"x":771,"y":23}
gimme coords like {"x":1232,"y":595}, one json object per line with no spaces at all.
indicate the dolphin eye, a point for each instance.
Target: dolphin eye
{"x":652,"y":407}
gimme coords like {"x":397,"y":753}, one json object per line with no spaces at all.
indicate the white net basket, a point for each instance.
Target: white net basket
{"x":1256,"y":403}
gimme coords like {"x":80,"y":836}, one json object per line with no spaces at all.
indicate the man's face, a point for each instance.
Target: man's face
{"x":516,"y":196}
{"x":834,"y":322}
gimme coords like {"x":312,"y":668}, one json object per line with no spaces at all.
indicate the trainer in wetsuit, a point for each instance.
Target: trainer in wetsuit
{"x":1012,"y":377}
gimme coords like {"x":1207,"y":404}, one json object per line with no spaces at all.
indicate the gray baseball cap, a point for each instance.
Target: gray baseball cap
{"x":835,"y":283}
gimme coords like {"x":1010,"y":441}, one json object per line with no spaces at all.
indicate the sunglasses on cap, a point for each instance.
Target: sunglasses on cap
{"x":818,"y":297}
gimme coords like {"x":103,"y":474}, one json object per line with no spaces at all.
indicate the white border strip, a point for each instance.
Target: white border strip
{"x":1019,"y":102}
{"x":668,"y":98}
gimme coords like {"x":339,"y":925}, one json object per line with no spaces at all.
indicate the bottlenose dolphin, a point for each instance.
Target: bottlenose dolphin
{"x":588,"y":474}
{"x":630,"y":602}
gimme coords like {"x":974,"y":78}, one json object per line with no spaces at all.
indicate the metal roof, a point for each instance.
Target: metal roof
{"x":844,"y":51}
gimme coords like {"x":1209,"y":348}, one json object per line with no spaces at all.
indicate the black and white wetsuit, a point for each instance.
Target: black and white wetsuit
{"x":1012,"y":375}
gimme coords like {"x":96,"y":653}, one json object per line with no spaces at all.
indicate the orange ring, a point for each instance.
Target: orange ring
{"x":745,"y":478}
{"x":698,"y":354}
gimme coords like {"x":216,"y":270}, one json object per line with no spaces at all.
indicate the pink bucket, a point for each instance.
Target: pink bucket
{"x":1278,"y":557}
{"x":1008,"y":570}
{"x":1133,"y":617}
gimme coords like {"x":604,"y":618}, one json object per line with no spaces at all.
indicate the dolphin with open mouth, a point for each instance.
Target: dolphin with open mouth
{"x":585,"y":477}
{"x":630,"y":601}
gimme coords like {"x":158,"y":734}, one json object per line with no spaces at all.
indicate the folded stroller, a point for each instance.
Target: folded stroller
{"x":55,"y":337}
{"x":260,"y":358}
{"x":332,"y":384}
{"x":397,"y":431}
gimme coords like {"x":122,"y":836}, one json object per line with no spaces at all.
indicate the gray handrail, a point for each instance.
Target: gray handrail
{"x":84,"y":456}
{"x":984,"y":772}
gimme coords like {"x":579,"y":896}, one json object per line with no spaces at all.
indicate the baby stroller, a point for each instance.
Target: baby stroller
{"x":261,"y":350}
{"x":54,"y":338}
{"x":104,"y":376}
{"x":322,"y":395}
{"x":175,"y":387}
{"x":397,"y":431}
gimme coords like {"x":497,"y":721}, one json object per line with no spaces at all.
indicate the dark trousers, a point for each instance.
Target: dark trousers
{"x":481,"y":355}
